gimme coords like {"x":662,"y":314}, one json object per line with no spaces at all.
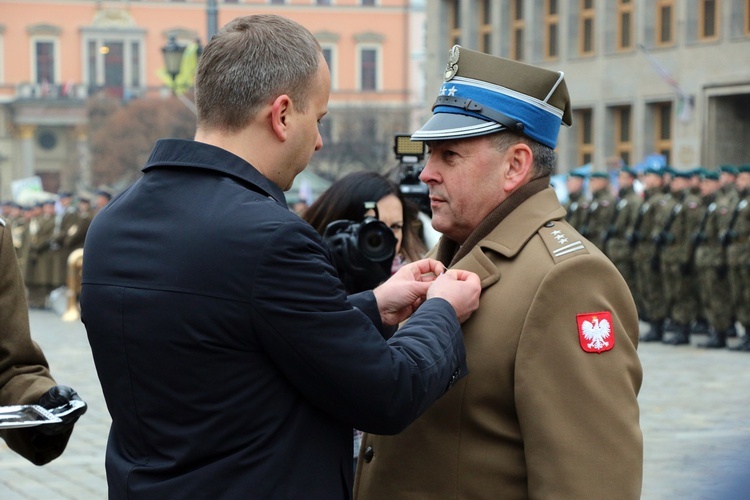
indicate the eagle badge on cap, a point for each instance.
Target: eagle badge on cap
{"x":452,"y":68}
{"x":595,"y":331}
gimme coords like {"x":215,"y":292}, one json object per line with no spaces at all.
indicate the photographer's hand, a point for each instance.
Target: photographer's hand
{"x":400,"y":296}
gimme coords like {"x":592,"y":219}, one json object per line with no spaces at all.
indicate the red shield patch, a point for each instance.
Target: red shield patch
{"x":596,"y":331}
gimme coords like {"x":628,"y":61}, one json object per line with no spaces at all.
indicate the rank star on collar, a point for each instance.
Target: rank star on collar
{"x":596,"y":331}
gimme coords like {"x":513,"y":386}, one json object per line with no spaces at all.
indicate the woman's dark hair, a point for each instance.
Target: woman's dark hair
{"x":345,"y":200}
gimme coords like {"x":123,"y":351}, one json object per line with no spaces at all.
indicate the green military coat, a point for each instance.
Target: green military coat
{"x":537,"y":416}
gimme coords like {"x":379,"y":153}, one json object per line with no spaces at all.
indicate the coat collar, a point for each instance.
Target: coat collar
{"x":193,"y":154}
{"x":512,"y":234}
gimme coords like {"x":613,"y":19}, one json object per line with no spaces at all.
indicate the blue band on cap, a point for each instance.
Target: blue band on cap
{"x":541,"y":120}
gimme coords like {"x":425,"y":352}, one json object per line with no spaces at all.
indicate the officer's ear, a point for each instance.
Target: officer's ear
{"x":519,"y":161}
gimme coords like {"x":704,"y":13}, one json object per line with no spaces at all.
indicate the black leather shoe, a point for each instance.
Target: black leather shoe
{"x":716,"y":340}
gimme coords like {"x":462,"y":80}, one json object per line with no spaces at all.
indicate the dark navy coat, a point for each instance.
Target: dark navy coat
{"x":232,"y":362}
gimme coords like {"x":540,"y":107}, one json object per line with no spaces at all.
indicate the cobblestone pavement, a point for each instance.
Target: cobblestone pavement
{"x":695,"y":415}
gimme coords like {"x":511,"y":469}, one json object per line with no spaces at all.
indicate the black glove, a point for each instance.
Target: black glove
{"x":63,"y":402}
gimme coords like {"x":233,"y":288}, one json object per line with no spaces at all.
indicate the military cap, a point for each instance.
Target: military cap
{"x":712,"y":175}
{"x":655,"y":171}
{"x":600,"y":175}
{"x":682,"y":174}
{"x":483,"y":94}
{"x":728,"y":169}
{"x":698,"y":171}
{"x":105,"y":193}
{"x":629,"y":171}
{"x":577,"y":174}
{"x":65,"y":194}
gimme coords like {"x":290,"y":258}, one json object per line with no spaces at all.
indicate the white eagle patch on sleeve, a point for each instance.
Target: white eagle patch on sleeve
{"x":596,"y":333}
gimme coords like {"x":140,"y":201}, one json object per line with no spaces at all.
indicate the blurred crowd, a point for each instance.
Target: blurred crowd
{"x":45,"y":233}
{"x":681,"y":241}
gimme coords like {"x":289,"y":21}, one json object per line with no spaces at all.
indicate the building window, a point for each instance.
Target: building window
{"x":517,"y":26}
{"x":44,"y":67}
{"x":624,"y":25}
{"x":551,"y":29}
{"x":665,"y":22}
{"x":368,"y":69}
{"x":454,"y":17}
{"x":329,"y":56}
{"x":663,"y":130}
{"x":115,"y":65}
{"x":623,"y":134}
{"x":586,"y":44}
{"x":708,"y":19}
{"x":485,"y":27}
{"x":585,"y":143}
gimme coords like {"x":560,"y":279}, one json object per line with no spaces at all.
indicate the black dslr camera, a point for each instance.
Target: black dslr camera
{"x":362,"y":251}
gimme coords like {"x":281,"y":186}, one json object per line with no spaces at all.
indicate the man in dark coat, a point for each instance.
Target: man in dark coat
{"x":231,"y":360}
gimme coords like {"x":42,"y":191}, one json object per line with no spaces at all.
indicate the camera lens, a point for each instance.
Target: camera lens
{"x":376,"y":241}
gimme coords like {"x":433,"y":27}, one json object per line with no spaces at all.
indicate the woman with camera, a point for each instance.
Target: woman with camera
{"x":349,"y":199}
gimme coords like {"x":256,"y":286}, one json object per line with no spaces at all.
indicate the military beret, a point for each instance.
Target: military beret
{"x":655,"y":171}
{"x":629,"y":171}
{"x":728,"y":169}
{"x":580,"y":175}
{"x":600,"y":175}
{"x":682,"y":174}
{"x":104,"y":193}
{"x":65,"y":194}
{"x":698,"y":171}
{"x":483,"y":94}
{"x":712,"y":175}
{"x":743,"y":169}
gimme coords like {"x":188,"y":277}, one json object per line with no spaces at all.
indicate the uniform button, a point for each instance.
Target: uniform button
{"x":549,"y":224}
{"x":369,"y":453}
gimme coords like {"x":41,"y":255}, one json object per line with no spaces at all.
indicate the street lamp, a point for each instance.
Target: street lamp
{"x":173,"y":59}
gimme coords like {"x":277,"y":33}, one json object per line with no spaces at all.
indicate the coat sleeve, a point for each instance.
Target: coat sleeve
{"x":334,"y":354}
{"x":24,"y":373}
{"x":578,"y":411}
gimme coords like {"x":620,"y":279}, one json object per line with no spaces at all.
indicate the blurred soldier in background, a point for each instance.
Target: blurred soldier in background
{"x":577,"y":205}
{"x":676,"y":240}
{"x":601,"y":210}
{"x":646,"y":256}
{"x":737,"y":241}
{"x":65,"y":219}
{"x":617,"y":244}
{"x":39,"y":270}
{"x":710,"y":261}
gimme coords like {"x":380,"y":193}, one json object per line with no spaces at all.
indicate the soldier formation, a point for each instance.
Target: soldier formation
{"x":682,"y":245}
{"x":45,"y":233}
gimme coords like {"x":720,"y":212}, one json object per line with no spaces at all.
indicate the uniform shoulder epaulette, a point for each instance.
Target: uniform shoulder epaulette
{"x":561,"y":240}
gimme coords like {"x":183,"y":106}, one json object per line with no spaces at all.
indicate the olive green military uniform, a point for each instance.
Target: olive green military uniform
{"x":39,"y":265}
{"x":66,"y":223}
{"x":619,"y":236}
{"x":600,"y":214}
{"x":710,"y":261}
{"x":647,"y":267}
{"x":679,"y":279}
{"x":576,"y":207}
{"x":737,"y":239}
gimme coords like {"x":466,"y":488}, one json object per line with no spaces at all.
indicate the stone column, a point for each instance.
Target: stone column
{"x":26,"y":134}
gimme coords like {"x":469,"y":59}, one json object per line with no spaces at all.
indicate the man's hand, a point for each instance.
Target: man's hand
{"x":461,"y":288}
{"x":414,"y":283}
{"x":63,"y":402}
{"x":400,"y":296}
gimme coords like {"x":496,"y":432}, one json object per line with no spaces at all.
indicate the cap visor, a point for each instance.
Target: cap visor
{"x":447,"y":126}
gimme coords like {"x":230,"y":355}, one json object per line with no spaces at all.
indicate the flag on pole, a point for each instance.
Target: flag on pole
{"x":684,"y":101}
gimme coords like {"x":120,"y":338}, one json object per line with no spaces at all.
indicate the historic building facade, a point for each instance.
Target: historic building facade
{"x":670,"y":77}
{"x":56,"y":55}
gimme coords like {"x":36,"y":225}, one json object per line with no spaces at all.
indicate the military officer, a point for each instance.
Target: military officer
{"x":617,"y":246}
{"x":577,"y":204}
{"x":601,"y":210}
{"x":676,"y":239}
{"x":646,"y":253}
{"x":710,"y":261}
{"x":737,"y":239}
